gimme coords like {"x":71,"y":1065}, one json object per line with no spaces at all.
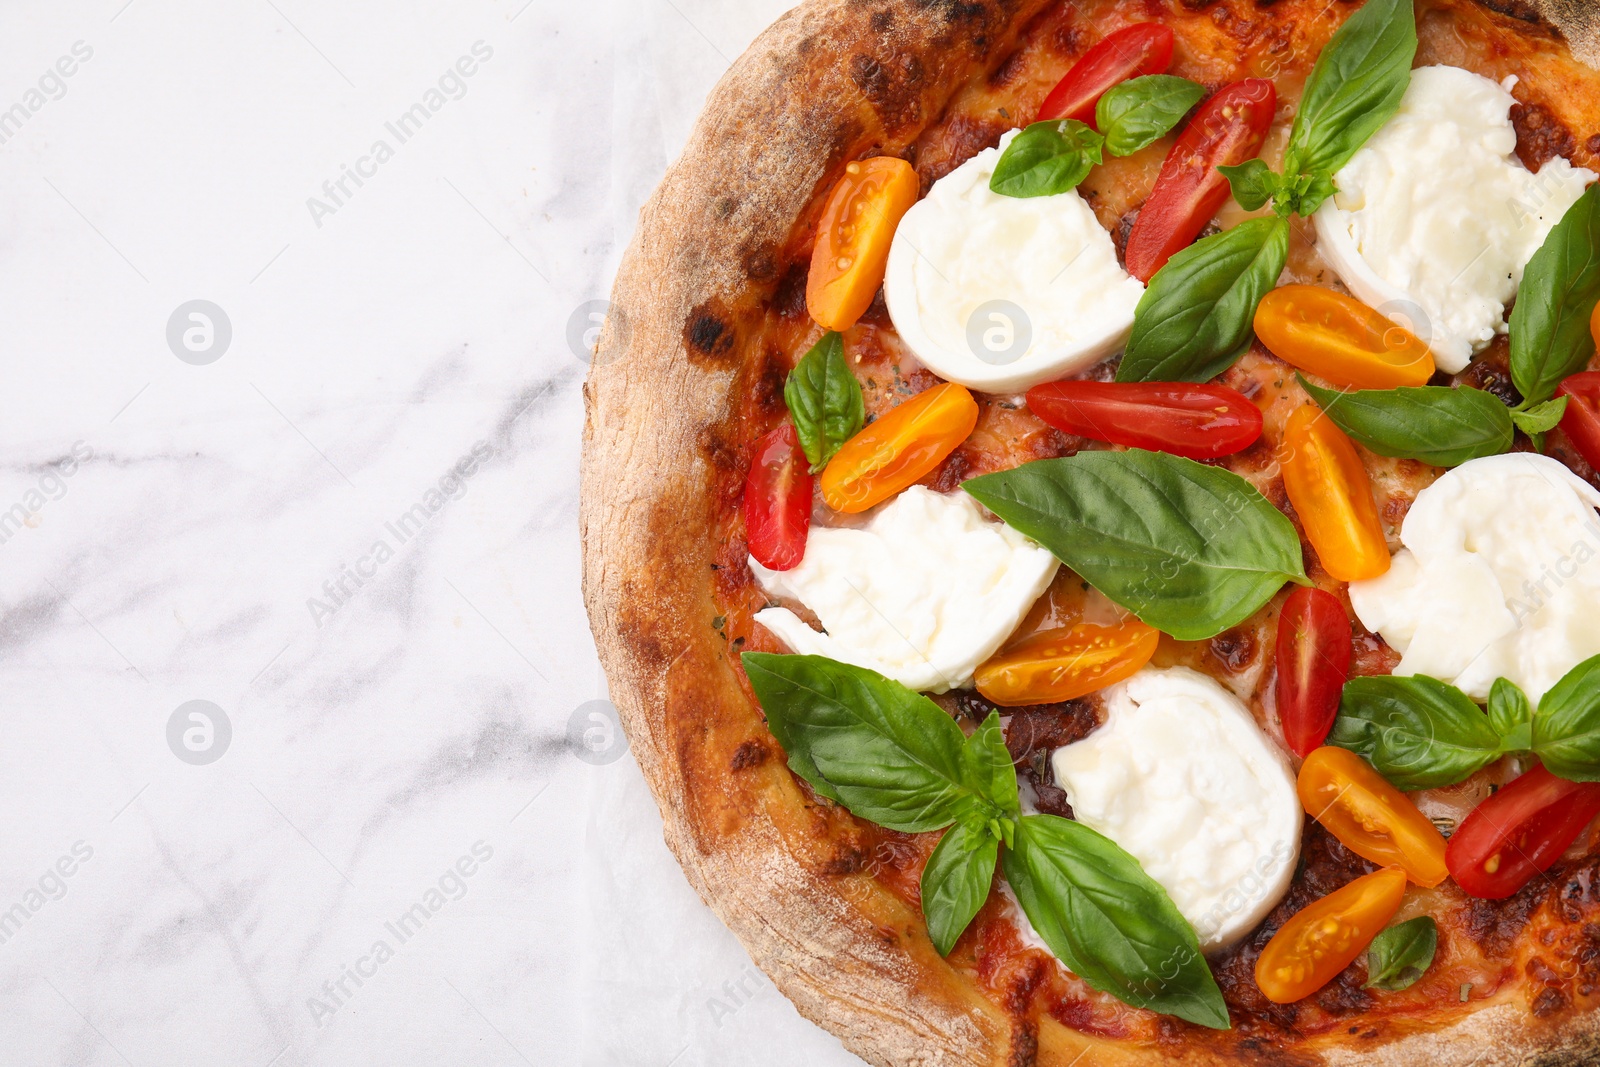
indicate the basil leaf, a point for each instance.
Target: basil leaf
{"x":1355,"y":88}
{"x":1253,"y":183}
{"x":1134,"y":113}
{"x":1550,"y":323}
{"x":1539,"y":419}
{"x":992,"y":767}
{"x":824,"y":400}
{"x":889,"y":755}
{"x":1189,"y":549}
{"x":1109,"y":921}
{"x":1047,"y":158}
{"x":1432,"y":423}
{"x":1566,"y":731}
{"x":1402,"y":954}
{"x":956,"y":882}
{"x":1418,"y":732}
{"x":1194,"y":319}
{"x":1511,"y":716}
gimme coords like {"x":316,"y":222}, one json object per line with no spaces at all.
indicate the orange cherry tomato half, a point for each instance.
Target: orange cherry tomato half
{"x":853,"y":238}
{"x":777,"y":500}
{"x":1581,"y":421}
{"x":1067,"y":663}
{"x":1228,"y":129}
{"x":899,"y":449}
{"x":1369,"y":816}
{"x":1329,"y":487}
{"x":1519,"y":832}
{"x":1339,"y":338}
{"x":1197,"y":421}
{"x":1326,"y":936}
{"x":1143,"y":48}
{"x":1313,"y":657}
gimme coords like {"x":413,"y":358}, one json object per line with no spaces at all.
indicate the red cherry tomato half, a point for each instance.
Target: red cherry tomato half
{"x":1143,"y":48}
{"x":777,"y":500}
{"x":1519,"y":832}
{"x":1197,"y":421}
{"x":1581,"y":420}
{"x":1228,"y":129}
{"x":1313,"y":655}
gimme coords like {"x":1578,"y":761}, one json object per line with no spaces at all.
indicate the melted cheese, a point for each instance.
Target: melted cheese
{"x":1436,"y":217}
{"x":1000,"y":293}
{"x":927,"y":591}
{"x":1182,"y":778}
{"x":1498,"y":577}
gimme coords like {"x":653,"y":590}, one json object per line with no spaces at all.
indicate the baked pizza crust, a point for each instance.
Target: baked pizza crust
{"x":830,"y":81}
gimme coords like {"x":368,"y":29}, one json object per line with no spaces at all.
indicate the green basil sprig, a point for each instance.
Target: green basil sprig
{"x":1194,"y":320}
{"x":1435,"y":424}
{"x":1402,"y":954}
{"x":1052,"y":157}
{"x":1566,"y":728}
{"x":1550,"y":323}
{"x":1047,"y":158}
{"x":1354,"y":88}
{"x":1421,"y":733}
{"x":1114,"y":927}
{"x":886,"y":753}
{"x":1134,"y":113}
{"x":1190,"y":549}
{"x":893,"y":757}
{"x":1536,"y":420}
{"x":824,"y":400}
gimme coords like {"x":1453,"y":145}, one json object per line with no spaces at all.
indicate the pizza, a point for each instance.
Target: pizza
{"x":1090,"y":521}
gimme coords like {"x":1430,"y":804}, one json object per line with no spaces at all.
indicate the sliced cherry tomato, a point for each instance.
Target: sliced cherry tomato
{"x":1140,"y":49}
{"x":1519,"y":832}
{"x":1581,"y":421}
{"x":1198,"y":421}
{"x":777,"y":500}
{"x":1339,"y":338}
{"x":899,"y":448}
{"x":1369,"y":816}
{"x":1329,"y":487}
{"x":1313,"y":656}
{"x":1227,"y":130}
{"x":1326,"y":936}
{"x":853,"y":238}
{"x":1064,"y":664}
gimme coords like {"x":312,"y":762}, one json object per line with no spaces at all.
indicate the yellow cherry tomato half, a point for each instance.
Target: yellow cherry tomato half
{"x":1369,"y":816}
{"x":1066,"y":663}
{"x":1325,"y":936}
{"x":1339,"y":338}
{"x":853,"y":238}
{"x":1329,"y":488}
{"x":898,"y":449}
{"x":1594,"y":325}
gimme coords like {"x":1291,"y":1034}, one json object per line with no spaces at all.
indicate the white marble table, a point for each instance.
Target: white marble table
{"x":335,"y":503}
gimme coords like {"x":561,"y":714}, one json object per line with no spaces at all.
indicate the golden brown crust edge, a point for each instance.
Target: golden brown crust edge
{"x":828,"y":80}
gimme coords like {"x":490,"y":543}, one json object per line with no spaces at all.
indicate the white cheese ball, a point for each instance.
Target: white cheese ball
{"x":1436,"y":217}
{"x":1182,"y":778}
{"x":923,"y":594}
{"x":1498,"y":577}
{"x":1000,"y":293}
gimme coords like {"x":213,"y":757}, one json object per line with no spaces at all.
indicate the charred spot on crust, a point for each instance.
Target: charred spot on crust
{"x":766,"y":391}
{"x":882,"y":21}
{"x":1541,"y":136}
{"x":789,"y":298}
{"x":1495,"y":924}
{"x":850,"y":861}
{"x":760,"y":264}
{"x":749,"y":754}
{"x":1520,"y":10}
{"x":708,"y":333}
{"x":1024,"y":1044}
{"x":1491,"y":372}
